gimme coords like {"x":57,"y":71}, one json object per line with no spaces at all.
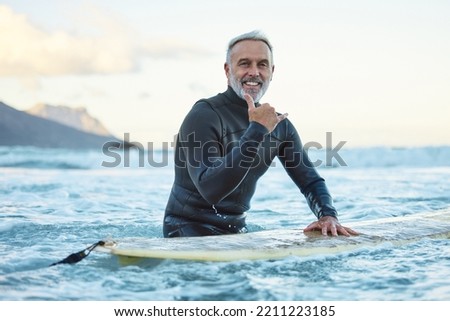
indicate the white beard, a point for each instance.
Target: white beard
{"x":240,"y":91}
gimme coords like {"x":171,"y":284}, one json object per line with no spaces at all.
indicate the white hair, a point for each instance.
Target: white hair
{"x":255,"y":35}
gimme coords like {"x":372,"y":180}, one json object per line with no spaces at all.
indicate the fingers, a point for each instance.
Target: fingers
{"x":282,"y":117}
{"x":333,"y":229}
{"x":350,"y":231}
{"x":343,"y":231}
{"x":251,"y":105}
{"x":311,"y":227}
{"x":250,"y":102}
{"x":265,"y":114}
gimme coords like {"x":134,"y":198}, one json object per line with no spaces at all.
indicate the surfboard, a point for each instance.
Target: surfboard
{"x":280,"y":243}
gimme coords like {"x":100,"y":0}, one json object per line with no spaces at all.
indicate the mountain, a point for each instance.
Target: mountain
{"x":77,"y":118}
{"x":21,"y":128}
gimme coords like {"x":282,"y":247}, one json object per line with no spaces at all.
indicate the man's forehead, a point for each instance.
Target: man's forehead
{"x":250,"y":49}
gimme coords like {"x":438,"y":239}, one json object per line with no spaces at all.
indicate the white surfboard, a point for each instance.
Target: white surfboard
{"x":280,"y":243}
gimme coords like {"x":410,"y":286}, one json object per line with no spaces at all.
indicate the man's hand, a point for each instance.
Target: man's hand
{"x":264,"y":114}
{"x":330,"y":224}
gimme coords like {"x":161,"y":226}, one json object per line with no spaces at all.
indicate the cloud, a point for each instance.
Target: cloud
{"x":28,"y":50}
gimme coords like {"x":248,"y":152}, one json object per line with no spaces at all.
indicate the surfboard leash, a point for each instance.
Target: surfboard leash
{"x":78,"y":256}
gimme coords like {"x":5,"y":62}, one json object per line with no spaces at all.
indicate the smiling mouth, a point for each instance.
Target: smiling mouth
{"x":251,"y":83}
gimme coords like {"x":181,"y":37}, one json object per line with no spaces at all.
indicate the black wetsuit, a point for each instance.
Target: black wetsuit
{"x":219,"y":157}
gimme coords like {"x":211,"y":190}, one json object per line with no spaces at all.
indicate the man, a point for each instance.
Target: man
{"x":227,"y":142}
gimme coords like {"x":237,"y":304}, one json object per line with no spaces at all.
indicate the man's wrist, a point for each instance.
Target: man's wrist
{"x":326,"y":216}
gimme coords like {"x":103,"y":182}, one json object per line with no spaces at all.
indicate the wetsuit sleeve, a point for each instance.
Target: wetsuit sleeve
{"x":215,"y":173}
{"x":299,"y":167}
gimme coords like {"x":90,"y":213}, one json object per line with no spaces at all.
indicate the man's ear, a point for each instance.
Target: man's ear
{"x":273,"y":69}
{"x":226,"y":67}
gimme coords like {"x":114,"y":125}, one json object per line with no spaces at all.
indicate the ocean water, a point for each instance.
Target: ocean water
{"x":56,"y":202}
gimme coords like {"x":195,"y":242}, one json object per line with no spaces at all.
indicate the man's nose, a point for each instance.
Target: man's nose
{"x":253,"y":71}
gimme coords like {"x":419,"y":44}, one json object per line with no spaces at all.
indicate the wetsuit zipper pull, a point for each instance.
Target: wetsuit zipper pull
{"x":215,"y":209}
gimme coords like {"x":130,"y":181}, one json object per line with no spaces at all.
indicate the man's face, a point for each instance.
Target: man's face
{"x":250,"y":69}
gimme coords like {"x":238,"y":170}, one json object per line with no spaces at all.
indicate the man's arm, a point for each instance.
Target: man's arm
{"x":303,"y":173}
{"x":299,"y":167}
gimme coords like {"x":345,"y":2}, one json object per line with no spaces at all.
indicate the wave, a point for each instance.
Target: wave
{"x":368,"y":157}
{"x":43,"y":164}
{"x":47,"y":158}
{"x":371,"y":157}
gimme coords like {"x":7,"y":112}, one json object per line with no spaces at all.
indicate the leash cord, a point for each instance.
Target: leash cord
{"x":78,"y":256}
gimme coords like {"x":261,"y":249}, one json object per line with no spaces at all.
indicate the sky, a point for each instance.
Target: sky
{"x":373,"y":73}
